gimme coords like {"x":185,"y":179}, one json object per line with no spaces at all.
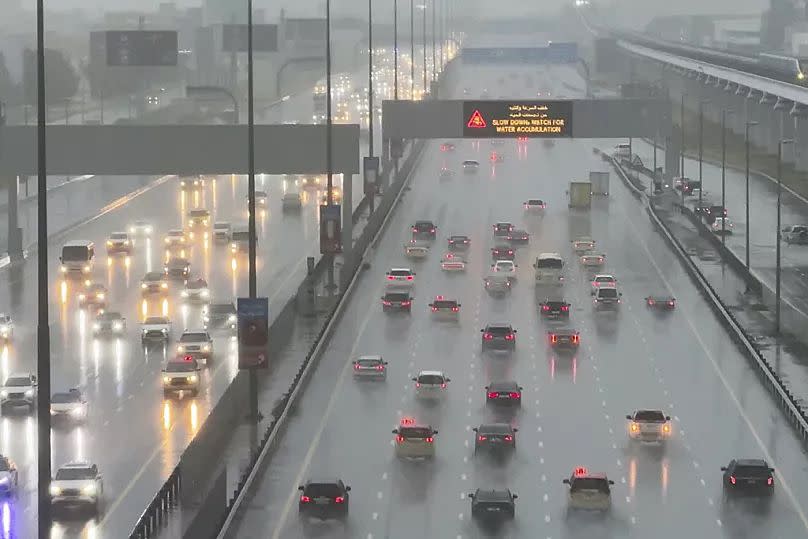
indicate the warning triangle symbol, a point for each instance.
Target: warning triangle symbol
{"x":476,"y":121}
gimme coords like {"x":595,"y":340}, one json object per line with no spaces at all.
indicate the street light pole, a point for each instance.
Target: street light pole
{"x":423,"y":34}
{"x":746,"y":144}
{"x":724,"y":113}
{"x":329,"y":119}
{"x":370,"y":80}
{"x":442,"y":30}
{"x":682,"y":148}
{"x":434,"y":51}
{"x":253,"y":278}
{"x":43,"y":328}
{"x":395,"y":49}
{"x":701,"y":147}
{"x":779,"y":267}
{"x":412,"y":49}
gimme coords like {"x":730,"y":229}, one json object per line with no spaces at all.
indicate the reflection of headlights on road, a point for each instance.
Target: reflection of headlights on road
{"x":89,"y":490}
{"x":167,"y":240}
{"x":117,"y":326}
{"x":206,"y":348}
{"x":231,"y":318}
{"x":100,"y":295}
{"x":82,"y":297}
{"x":143,"y":286}
{"x":96,"y":326}
{"x":193,"y":378}
{"x":163,"y":285}
{"x":29,"y":393}
{"x":180,"y":348}
{"x":55,"y":491}
{"x":131,"y":230}
{"x":166,"y":379}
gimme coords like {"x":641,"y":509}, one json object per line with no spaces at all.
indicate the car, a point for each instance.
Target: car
{"x":583,"y":245}
{"x":324,"y":498}
{"x":196,"y":291}
{"x":607,"y":299}
{"x":119,"y":243}
{"x":445,"y":308}
{"x":554,"y":309}
{"x":69,"y":405}
{"x":497,"y":142}
{"x":649,"y":427}
{"x":661,"y":302}
{"x":503,"y":392}
{"x":588,"y":491}
{"x":370,"y":367}
{"x":140,"y":228}
{"x":19,"y":389}
{"x":414,"y":441}
{"x":416,"y":249}
{"x":181,"y":374}
{"x":564,"y":339}
{"x":198,"y":222}
{"x":397,"y":301}
{"x":722,"y":225}
{"x":446,"y":174}
{"x":503,"y":229}
{"x":492,"y":504}
{"x":484,"y":94}
{"x":6,"y":327}
{"x":192,"y":183}
{"x":260,"y":199}
{"x":497,"y":284}
{"x":197,"y":344}
{"x":155,"y":329}
{"x":503,"y":252}
{"x":702,"y":207}
{"x":93,"y":295}
{"x":795,"y":234}
{"x":154,"y":282}
{"x":430,"y":384}
{"x":715,"y":211}
{"x":310,"y":182}
{"x":77,"y":484}
{"x":452,"y":262}
{"x":690,"y":187}
{"x":458,"y":242}
{"x":424,"y":229}
{"x":471,"y":166}
{"x":603,"y":280}
{"x":505,"y":267}
{"x":495,"y":437}
{"x":222,"y":231}
{"x":534,"y":205}
{"x":217,"y":316}
{"x":518,"y":236}
{"x":749,"y":478}
{"x":9,"y":477}
{"x":109,"y":324}
{"x":497,"y":157}
{"x":177,"y":268}
{"x":592,"y":260}
{"x":400,"y":278}
{"x":175,"y":237}
{"x":447,"y":147}
{"x":292,"y":201}
{"x":498,"y":336}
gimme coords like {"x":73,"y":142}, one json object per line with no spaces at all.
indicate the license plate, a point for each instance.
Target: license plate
{"x":751,"y":481}
{"x":322,"y":501}
{"x":493,"y":509}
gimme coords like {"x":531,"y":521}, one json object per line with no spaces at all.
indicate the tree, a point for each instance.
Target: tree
{"x":61,"y":79}
{"x":9,"y":90}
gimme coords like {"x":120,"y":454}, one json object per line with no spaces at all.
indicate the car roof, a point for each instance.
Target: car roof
{"x":19,"y":375}
{"x":499,"y":325}
{"x":221,"y":223}
{"x":563,"y":331}
{"x":176,"y":231}
{"x":154,"y":275}
{"x":178,"y":260}
{"x":423,"y":222}
{"x":200,"y":330}
{"x":602,"y":275}
{"x":598,"y":476}
{"x":503,"y":384}
{"x":324,"y":481}
{"x":110,"y":314}
{"x":400,"y":269}
{"x":431,"y":373}
{"x":369,"y":358}
{"x":492,"y":495}
{"x":752,"y":462}
{"x":495,"y":428}
{"x":548,"y":255}
{"x":77,"y":464}
{"x":78,"y":243}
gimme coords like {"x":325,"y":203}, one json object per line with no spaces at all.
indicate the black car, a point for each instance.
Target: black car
{"x":498,"y":337}
{"x":748,"y":478}
{"x":661,"y":303}
{"x":555,"y":309}
{"x":326,"y":498}
{"x":459,"y":242}
{"x":503,"y":252}
{"x":518,"y":236}
{"x":495,"y":437}
{"x":424,"y":229}
{"x":397,"y":301}
{"x":564,"y":339}
{"x":490,"y":504}
{"x":504,"y":393}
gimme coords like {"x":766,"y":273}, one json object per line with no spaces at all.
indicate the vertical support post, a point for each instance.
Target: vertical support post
{"x":371,"y":196}
{"x":434,"y":51}
{"x":723,"y":174}
{"x":395,"y":49}
{"x":778,"y":240}
{"x":329,"y":129}
{"x":253,"y":278}
{"x":423,"y":35}
{"x":747,"y":148}
{"x":347,"y":229}
{"x":701,"y":149}
{"x":412,"y":49}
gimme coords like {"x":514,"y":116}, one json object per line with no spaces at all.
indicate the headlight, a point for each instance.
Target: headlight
{"x":164,"y":331}
{"x":55,"y":491}
{"x":167,"y":240}
{"x":180,"y":348}
{"x":163,"y":285}
{"x":117,"y":326}
{"x":82,"y":297}
{"x":96,"y":326}
{"x":109,"y":243}
{"x":193,"y":378}
{"x":4,"y":394}
{"x":52,"y":411}
{"x":148,"y":230}
{"x":126,"y":242}
{"x":205,"y":293}
{"x":131,"y":230}
{"x":206,"y":348}
{"x":89,"y":490}
{"x":100,"y":296}
{"x":231,"y":318}
{"x":87,"y":268}
{"x":64,"y":269}
{"x":166,"y":379}
{"x":77,"y":411}
{"x":143,"y":286}
{"x":29,"y":393}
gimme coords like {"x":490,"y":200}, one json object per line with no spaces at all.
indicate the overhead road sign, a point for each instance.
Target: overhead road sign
{"x":234,"y":37}
{"x":506,"y":119}
{"x":253,"y":332}
{"x":156,"y":48}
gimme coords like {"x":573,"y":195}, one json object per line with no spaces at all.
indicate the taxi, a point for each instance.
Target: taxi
{"x":588,"y":491}
{"x":445,"y":308}
{"x":414,"y":441}
{"x":180,"y":375}
{"x":452,"y":262}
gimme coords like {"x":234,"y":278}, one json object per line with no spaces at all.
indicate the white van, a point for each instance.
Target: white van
{"x":77,"y":257}
{"x":622,"y":151}
{"x":549,"y":269}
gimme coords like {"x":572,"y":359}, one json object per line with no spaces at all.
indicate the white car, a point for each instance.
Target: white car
{"x":593,"y":260}
{"x":414,"y":441}
{"x":175,"y":237}
{"x":722,"y":225}
{"x":109,"y":324}
{"x":77,"y":484}
{"x":6,"y":327}
{"x":19,"y":389}
{"x":222,"y":231}
{"x":9,"y":477}
{"x":196,"y":291}
{"x":416,"y":249}
{"x":140,"y":228}
{"x":504,"y":267}
{"x":197,"y":344}
{"x":155,"y":328}
{"x":471,"y":166}
{"x":452,"y":262}
{"x":795,"y":234}
{"x":370,"y":367}
{"x":179,"y":375}
{"x":119,"y":243}
{"x":534,"y":205}
{"x":582,"y":245}
{"x":69,"y":405}
{"x":431,"y":384}
{"x":291,"y":202}
{"x":400,"y":278}
{"x":649,"y":427}
{"x":603,"y":281}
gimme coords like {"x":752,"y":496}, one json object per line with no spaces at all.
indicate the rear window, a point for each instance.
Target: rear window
{"x":118,"y":236}
{"x":153,"y":276}
{"x":424,"y":224}
{"x":400,"y":273}
{"x":604,"y":279}
{"x":549,"y":263}
{"x":367,"y":362}
{"x":502,"y":226}
{"x":470,"y":163}
{"x":74,"y":474}
{"x":555,"y":304}
{"x":199,"y":213}
{"x":608,"y":293}
{"x":108,"y":317}
{"x":430,"y":379}
{"x":318,"y":490}
{"x":534,"y":202}
{"x":649,"y":415}
{"x":458,"y":238}
{"x":494,"y":429}
{"x":415,"y":432}
{"x":194,"y":337}
{"x":588,"y":483}
{"x":444,"y":304}
{"x":497,"y":330}
{"x":64,"y":398}
{"x":752,"y":471}
{"x":181,"y":366}
{"x":397,"y":297}
{"x":176,"y":233}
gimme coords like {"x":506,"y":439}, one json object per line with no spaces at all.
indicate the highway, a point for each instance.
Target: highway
{"x":134,"y":435}
{"x":573,"y":409}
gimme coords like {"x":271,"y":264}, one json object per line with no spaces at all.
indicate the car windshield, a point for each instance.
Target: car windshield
{"x":534,"y":202}
{"x":177,"y":263}
{"x":66,"y":398}
{"x":156,"y":320}
{"x":498,"y":330}
{"x":368,"y":362}
{"x":74,"y":474}
{"x":444,"y":304}
{"x":589,"y":483}
{"x":326,"y":490}
{"x":430,"y":379}
{"x":181,"y":366}
{"x":175,"y":233}
{"x":602,"y":279}
{"x":415,"y":432}
{"x":153,"y":276}
{"x":400,"y":273}
{"x":18,"y":381}
{"x":221,"y":226}
{"x":458,"y":238}
{"x":396,"y":297}
{"x":118,"y":236}
{"x":241,"y":236}
{"x":194,"y":337}
{"x":200,"y":283}
{"x":495,"y":429}
{"x":751,"y":471}
{"x":649,"y":415}
{"x":199,"y":213}
{"x":75,"y":253}
{"x":5,"y":465}
{"x":549,"y":263}
{"x":608,"y":293}
{"x":470,"y":163}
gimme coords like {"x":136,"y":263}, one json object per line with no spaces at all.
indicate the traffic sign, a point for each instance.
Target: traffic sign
{"x":476,"y":121}
{"x":141,"y":48}
{"x":508,"y":119}
{"x":253,"y":332}
{"x":371,"y":168}
{"x":330,"y":229}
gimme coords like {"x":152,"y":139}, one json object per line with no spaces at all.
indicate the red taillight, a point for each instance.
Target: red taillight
{"x":391,"y":278}
{"x":406,"y":303}
{"x":510,"y":252}
{"x":600,"y":259}
{"x":545,"y":307}
{"x":443,"y":385}
{"x":493,"y":395}
{"x":650,"y":302}
{"x":732,"y":479}
{"x":414,"y":229}
{"x":465,"y":241}
{"x":399,"y":439}
{"x":409,"y":277}
{"x":434,"y":309}
{"x":356,"y":366}
{"x":385,"y":302}
{"x":305,"y":499}
{"x":670,"y":303}
{"x":481,"y":438}
{"x":339,"y":499}
{"x":575,"y":339}
{"x":770,"y":481}
{"x":487,"y":336}
{"x":379,"y":367}
{"x":509,"y":337}
{"x":433,"y":230}
{"x":455,"y":309}
{"x":527,"y":206}
{"x":515,"y":395}
{"x":553,"y":339}
{"x":508,"y":438}
{"x":429,"y":440}
{"x":565,"y":308}
{"x":417,"y":384}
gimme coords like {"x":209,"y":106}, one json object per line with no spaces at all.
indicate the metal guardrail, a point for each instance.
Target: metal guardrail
{"x":156,"y":513}
{"x":788,"y":402}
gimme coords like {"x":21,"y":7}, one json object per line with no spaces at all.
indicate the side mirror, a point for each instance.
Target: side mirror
{"x":566,"y":481}
{"x":300,"y":487}
{"x":448,"y":379}
{"x":471,"y":495}
{"x":459,"y":305}
{"x":482,"y":331}
{"x":33,"y":379}
{"x":475,"y":429}
{"x":516,"y":430}
{"x":347,"y":489}
{"x":516,"y":331}
{"x":723,"y":468}
{"x":486,"y":387}
{"x":515,"y":496}
{"x":628,"y":417}
{"x":431,"y":304}
{"x":611,"y":482}
{"x":771,"y":470}
{"x":395,"y":431}
{"x":667,"y":418}
{"x":434,"y":432}
{"x":415,"y":379}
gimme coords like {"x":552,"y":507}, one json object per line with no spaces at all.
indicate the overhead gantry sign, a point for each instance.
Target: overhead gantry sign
{"x":505,"y":119}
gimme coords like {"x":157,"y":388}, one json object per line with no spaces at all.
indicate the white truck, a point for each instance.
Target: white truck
{"x":600,"y":183}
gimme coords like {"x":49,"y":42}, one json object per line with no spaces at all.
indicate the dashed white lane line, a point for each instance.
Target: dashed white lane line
{"x":379,"y":495}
